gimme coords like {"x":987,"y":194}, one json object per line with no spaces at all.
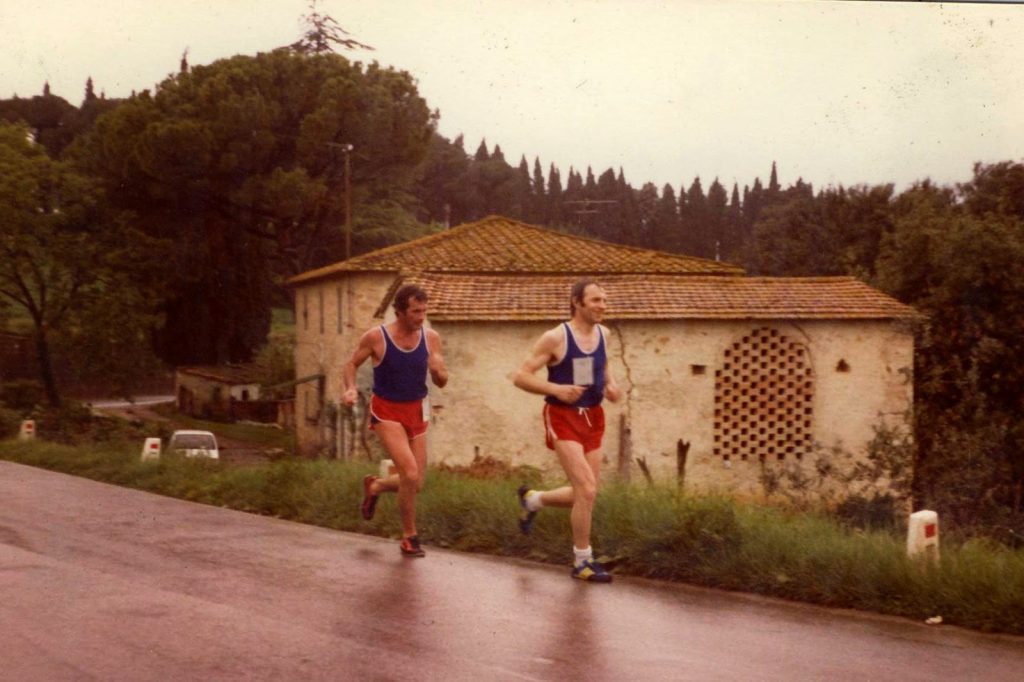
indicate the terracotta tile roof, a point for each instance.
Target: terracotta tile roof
{"x":497,"y":244}
{"x":650,"y":297}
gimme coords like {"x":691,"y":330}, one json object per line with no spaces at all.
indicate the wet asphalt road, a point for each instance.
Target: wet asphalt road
{"x":103,"y":583}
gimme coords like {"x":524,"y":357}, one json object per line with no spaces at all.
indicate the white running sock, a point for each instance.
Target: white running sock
{"x":582,"y":555}
{"x":533,"y":501}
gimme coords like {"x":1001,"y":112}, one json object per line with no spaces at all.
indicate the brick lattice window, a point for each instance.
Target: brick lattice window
{"x":763,"y":398}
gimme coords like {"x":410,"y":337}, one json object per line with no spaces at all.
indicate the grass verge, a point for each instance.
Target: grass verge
{"x":656,"y":532}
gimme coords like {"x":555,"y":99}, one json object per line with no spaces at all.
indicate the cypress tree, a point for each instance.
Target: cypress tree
{"x":553,"y":205}
{"x":717,"y":202}
{"x":773,"y":183}
{"x":697,"y":228}
{"x":481,"y":151}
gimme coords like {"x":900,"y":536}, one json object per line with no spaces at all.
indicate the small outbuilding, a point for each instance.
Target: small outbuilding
{"x":745,"y":372}
{"x":211,"y":391}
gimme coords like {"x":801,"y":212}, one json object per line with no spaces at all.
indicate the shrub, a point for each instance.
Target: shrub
{"x":22,"y":395}
{"x":10,"y":422}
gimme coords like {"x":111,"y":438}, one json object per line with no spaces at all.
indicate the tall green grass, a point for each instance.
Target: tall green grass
{"x":654,"y":532}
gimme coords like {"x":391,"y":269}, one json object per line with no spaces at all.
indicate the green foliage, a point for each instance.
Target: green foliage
{"x":71,"y":264}
{"x":10,"y":422}
{"x":962,"y":264}
{"x":22,"y":395}
{"x":867,"y":489}
{"x":241,"y":163}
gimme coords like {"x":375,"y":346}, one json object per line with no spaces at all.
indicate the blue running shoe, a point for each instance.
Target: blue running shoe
{"x":526,"y":516}
{"x":591,"y":571}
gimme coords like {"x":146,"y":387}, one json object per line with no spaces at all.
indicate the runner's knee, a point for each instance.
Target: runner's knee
{"x":413,"y":477}
{"x":585,"y":492}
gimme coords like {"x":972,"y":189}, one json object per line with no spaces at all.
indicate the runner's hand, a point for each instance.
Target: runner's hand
{"x":568,"y":394}
{"x":350,"y":396}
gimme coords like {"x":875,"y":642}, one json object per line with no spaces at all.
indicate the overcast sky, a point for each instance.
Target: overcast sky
{"x":835,"y":92}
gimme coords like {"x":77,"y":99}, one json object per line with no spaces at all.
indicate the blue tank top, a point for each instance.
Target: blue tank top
{"x":401,"y":375}
{"x":580,"y":369}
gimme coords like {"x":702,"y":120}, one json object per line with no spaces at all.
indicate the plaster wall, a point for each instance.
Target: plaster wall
{"x":670,"y":399}
{"x":330,"y":316}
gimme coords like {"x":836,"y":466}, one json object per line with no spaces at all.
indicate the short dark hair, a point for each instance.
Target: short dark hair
{"x":406,"y":292}
{"x":576,"y":294}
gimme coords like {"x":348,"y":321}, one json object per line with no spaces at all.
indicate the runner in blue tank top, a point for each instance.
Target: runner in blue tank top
{"x":403,"y":353}
{"x":576,"y":356}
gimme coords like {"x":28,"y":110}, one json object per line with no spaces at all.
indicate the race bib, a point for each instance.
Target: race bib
{"x":425,"y":405}
{"x":583,"y":371}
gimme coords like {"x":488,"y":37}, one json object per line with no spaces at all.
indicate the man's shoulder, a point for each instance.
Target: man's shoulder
{"x":556,"y":333}
{"x":372,"y":334}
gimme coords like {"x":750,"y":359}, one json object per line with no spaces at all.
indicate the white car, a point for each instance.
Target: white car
{"x":194,"y":444}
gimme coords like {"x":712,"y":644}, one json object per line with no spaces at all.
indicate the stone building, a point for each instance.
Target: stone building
{"x":210,"y":391}
{"x":749,"y":371}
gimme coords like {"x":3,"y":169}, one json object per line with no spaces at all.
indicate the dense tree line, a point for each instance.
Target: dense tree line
{"x":454,"y":187}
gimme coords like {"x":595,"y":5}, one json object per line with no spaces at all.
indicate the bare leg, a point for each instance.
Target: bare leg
{"x":584,"y":472}
{"x":410,"y":458}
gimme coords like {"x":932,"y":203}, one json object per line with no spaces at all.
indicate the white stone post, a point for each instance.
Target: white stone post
{"x":151,"y":450}
{"x":28,"y":430}
{"x":923,"y":535}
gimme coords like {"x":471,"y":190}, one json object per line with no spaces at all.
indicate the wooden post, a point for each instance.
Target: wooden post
{"x":642,"y":463}
{"x":625,"y":448}
{"x":682,"y":450}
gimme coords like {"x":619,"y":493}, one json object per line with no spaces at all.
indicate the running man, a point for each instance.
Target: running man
{"x":578,"y":379}
{"x":403,"y":352}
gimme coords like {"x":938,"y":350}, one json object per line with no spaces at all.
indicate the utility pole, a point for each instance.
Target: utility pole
{"x":346,"y":149}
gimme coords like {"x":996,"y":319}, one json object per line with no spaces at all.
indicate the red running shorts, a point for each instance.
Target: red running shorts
{"x":584,"y":425}
{"x":408,"y":414}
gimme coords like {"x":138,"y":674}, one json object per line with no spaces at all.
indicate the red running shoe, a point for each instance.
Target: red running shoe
{"x":411,"y":546}
{"x":369,"y":505}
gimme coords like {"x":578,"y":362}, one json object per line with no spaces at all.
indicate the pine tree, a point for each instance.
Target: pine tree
{"x":90,"y":94}
{"x":322,"y":34}
{"x":46,"y":89}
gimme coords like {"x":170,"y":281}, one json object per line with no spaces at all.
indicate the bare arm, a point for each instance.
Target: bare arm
{"x":364,"y":349}
{"x":544,"y":351}
{"x":612,"y":392}
{"x":435,"y":360}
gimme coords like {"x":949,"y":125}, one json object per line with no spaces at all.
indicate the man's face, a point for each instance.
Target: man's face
{"x":595,"y":302}
{"x":413,"y":316}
